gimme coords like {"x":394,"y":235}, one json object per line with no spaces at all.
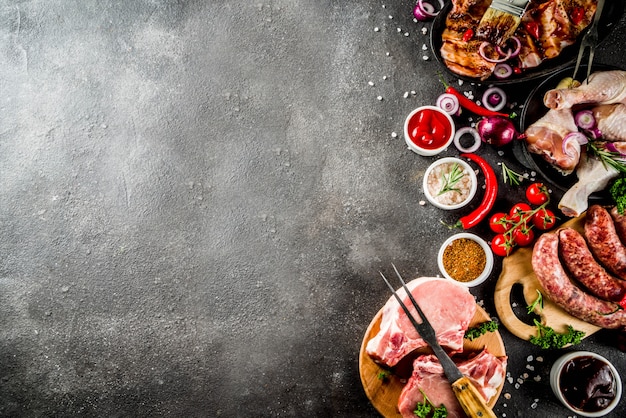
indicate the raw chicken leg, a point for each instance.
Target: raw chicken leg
{"x":605,"y":87}
{"x":593,"y":176}
{"x":611,"y":121}
{"x":545,"y":137}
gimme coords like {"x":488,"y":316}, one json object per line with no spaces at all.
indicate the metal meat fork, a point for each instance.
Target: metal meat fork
{"x":589,"y":40}
{"x":470,"y":399}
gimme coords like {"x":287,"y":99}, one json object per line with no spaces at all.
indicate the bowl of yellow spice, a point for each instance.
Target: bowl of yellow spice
{"x":450,"y":183}
{"x":465,"y":258}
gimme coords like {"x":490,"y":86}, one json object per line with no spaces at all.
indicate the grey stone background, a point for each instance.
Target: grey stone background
{"x":197,"y":196}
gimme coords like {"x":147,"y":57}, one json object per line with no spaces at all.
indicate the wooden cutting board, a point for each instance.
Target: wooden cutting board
{"x":384,"y":394}
{"x":517,"y":268}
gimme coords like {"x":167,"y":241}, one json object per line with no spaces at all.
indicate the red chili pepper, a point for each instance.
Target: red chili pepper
{"x":472,"y":106}
{"x":489,"y":198}
{"x":577,"y":15}
{"x":532,"y":27}
{"x":468,"y":35}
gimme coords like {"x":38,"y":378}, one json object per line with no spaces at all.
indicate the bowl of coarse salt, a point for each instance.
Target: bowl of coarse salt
{"x":450,"y":183}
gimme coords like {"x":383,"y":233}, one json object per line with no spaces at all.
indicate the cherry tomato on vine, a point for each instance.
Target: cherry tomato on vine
{"x":544,"y":219}
{"x":499,"y":222}
{"x":523,"y":236}
{"x":537,"y":194}
{"x":500,"y":245}
{"x":517,"y":211}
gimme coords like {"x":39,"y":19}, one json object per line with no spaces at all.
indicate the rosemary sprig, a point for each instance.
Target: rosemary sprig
{"x":510,"y":176}
{"x":608,"y":158}
{"x":451,"y":179}
{"x":537,"y":302}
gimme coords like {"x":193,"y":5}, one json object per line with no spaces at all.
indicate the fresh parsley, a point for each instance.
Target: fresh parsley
{"x":618,"y":193}
{"x":548,"y":338}
{"x":484,"y":327}
{"x":426,"y":409}
{"x":383,"y":375}
{"x":538,"y":301}
{"x":451,"y":179}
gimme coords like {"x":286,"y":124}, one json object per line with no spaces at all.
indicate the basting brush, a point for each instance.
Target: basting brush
{"x":501,"y":20}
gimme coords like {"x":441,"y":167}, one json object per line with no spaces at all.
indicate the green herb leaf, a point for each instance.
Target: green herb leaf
{"x":538,"y":301}
{"x":451,"y":179}
{"x":510,"y":176}
{"x":547,"y":338}
{"x":618,"y":193}
{"x":608,"y":158}
{"x":383,"y":374}
{"x":423,"y":409}
{"x":475,"y":332}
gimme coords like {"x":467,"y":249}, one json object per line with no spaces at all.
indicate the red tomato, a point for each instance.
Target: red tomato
{"x":523,"y":236}
{"x":499,"y":222}
{"x":544,"y":219}
{"x":517,"y":212}
{"x":501,"y":246}
{"x":537,"y":194}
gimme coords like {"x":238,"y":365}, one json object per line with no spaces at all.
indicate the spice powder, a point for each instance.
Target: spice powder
{"x":464,"y":259}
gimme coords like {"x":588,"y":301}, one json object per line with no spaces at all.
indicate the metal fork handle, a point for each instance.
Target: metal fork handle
{"x":590,"y":39}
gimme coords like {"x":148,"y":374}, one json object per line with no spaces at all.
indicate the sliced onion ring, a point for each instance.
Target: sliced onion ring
{"x":502,"y":70}
{"x":449,"y":103}
{"x":577,"y":139}
{"x":494,"y":91}
{"x":515,"y":51}
{"x":481,"y":51}
{"x":425,"y":10}
{"x":467,"y":130}
{"x":610,"y":146}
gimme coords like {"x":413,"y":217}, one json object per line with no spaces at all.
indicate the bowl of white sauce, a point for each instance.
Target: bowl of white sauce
{"x":450,"y":183}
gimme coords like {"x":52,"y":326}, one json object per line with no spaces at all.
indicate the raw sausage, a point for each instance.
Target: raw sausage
{"x":584,"y":268}
{"x":604,"y":242}
{"x":560,"y":289}
{"x":620,"y":224}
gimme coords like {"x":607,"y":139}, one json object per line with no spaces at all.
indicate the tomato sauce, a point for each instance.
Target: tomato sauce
{"x":429,"y":129}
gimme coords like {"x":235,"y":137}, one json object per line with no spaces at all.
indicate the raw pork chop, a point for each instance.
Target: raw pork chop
{"x":448,"y":306}
{"x":485,"y":370}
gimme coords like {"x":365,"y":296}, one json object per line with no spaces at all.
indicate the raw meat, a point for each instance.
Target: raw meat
{"x":592,"y":176}
{"x":604,"y":87}
{"x":545,"y":137}
{"x":611,"y":121}
{"x":486,"y":371}
{"x":604,"y":242}
{"x":558,"y":286}
{"x":448,"y":306}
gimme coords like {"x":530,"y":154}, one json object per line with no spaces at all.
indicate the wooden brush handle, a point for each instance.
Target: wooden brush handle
{"x":471,"y":400}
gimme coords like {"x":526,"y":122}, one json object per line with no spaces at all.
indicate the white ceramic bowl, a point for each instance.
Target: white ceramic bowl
{"x":409,"y":138}
{"x":555,"y":377}
{"x":473,"y":186}
{"x":488,"y":258}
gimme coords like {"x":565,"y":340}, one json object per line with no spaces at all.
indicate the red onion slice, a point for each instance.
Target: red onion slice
{"x":449,"y":103}
{"x":483,"y":54}
{"x":488,"y":99}
{"x":572,"y":142}
{"x":425,"y":10}
{"x":514,"y":52}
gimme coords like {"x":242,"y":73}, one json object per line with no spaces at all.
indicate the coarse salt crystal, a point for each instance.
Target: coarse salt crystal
{"x":376,"y":29}
{"x":406,"y":94}
{"x":425,"y":57}
{"x":537,"y":378}
{"x":406,"y":33}
{"x":539,"y":359}
{"x":507,"y":395}
{"x":517,"y":386}
{"x":384,"y":77}
{"x":394,"y":135}
{"x":424,"y":47}
{"x":525,"y":375}
{"x":424,"y":30}
{"x":530,"y":367}
{"x":529,"y":358}
{"x":399,"y":30}
{"x":422,"y":202}
{"x":380,"y":98}
{"x":371,"y":83}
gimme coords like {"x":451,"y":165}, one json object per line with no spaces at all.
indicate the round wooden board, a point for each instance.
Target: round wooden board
{"x":517,"y":268}
{"x":384,"y":394}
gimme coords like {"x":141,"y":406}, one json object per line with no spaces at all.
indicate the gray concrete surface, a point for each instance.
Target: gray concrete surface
{"x":196,"y":198}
